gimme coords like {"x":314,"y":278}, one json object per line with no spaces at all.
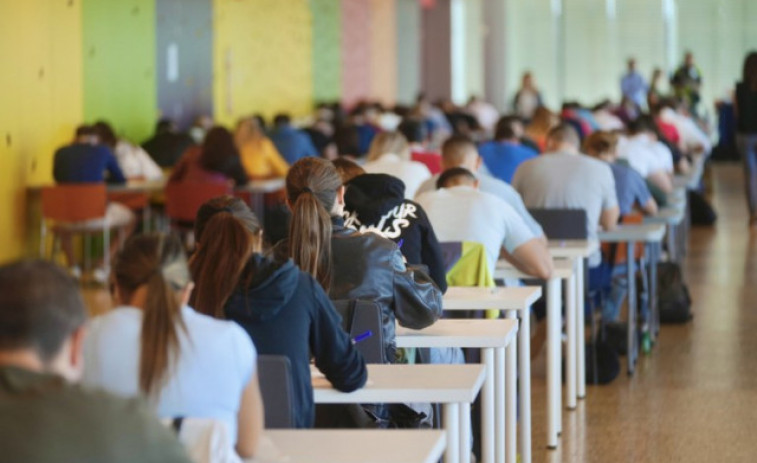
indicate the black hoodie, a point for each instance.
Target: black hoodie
{"x":376,"y":202}
{"x":286,"y":312}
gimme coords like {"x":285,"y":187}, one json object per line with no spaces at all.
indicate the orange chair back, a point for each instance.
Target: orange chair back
{"x":183,"y":199}
{"x":74,"y":202}
{"x":620,"y":250}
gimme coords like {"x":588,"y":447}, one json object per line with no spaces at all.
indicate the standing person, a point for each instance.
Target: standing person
{"x":167,"y":144}
{"x":134,"y":161}
{"x":505,"y":153}
{"x":44,"y":417}
{"x":321,"y":245}
{"x":633,"y":86}
{"x":390,"y":154}
{"x":281,"y":308}
{"x":654,"y":94}
{"x":292,"y":143}
{"x":686,"y":82}
{"x":154,"y":346}
{"x":746,"y":129}
{"x":216,"y":161}
{"x":528,"y":98}
{"x":260,"y":158}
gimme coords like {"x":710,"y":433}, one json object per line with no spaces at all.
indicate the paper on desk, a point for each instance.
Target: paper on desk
{"x":268,"y":452}
{"x":319,"y":379}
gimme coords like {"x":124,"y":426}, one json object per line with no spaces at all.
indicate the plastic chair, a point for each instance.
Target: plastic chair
{"x":358,"y":318}
{"x":183,"y":200}
{"x":275,"y":377}
{"x":73,"y":208}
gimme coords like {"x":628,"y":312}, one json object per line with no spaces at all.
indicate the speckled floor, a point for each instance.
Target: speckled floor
{"x":694,"y":398}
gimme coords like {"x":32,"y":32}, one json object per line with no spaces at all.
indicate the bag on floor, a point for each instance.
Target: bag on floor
{"x":673,"y":297}
{"x":702,"y":212}
{"x":607,"y":362}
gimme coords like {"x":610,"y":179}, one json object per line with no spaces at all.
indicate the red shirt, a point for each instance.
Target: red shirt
{"x":432,"y":160}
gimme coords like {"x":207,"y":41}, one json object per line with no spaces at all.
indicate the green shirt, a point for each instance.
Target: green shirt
{"x":44,"y":419}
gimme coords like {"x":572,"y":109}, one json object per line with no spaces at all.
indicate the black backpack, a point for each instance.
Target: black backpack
{"x":702,"y":212}
{"x":673,"y":297}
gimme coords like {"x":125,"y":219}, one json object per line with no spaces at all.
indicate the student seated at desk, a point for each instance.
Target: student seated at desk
{"x":87,"y":161}
{"x":563,"y":178}
{"x":505,"y":153}
{"x":216,"y":161}
{"x":154,"y":346}
{"x":647,"y":155}
{"x":259,"y":156}
{"x":458,"y":211}
{"x":283,"y":309}
{"x":167,"y":145}
{"x":45,"y":418}
{"x":134,"y":161}
{"x":349,"y":264}
{"x":390,"y":154}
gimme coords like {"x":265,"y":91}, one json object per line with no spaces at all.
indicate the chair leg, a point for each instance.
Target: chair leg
{"x":106,"y":249}
{"x":42,"y":238}
{"x":87,"y":253}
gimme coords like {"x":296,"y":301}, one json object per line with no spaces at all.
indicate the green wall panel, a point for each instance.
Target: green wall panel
{"x":119,"y":65}
{"x":327,"y":47}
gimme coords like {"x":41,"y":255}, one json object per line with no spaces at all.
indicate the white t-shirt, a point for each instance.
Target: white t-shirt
{"x":216,"y":362}
{"x":411,"y":173}
{"x":691,"y":134}
{"x":463,"y":213}
{"x":645,"y":155}
{"x":136,"y":163}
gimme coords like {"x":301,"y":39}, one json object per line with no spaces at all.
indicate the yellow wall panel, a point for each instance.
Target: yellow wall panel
{"x":262,"y":58}
{"x":41,"y":94}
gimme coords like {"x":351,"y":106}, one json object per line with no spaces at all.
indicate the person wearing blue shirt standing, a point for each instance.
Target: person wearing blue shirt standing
{"x":633,"y":86}
{"x":293,"y":144}
{"x":505,"y":153}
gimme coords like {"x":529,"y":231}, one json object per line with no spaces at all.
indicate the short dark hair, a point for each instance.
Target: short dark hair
{"x":414,"y":130}
{"x":282,"y":119}
{"x":165,"y":125}
{"x":565,"y":133}
{"x":643,"y":123}
{"x":455,"y":149}
{"x":85,"y":130}
{"x":450,"y":174}
{"x":347,"y":169}
{"x":106,"y":133}
{"x":40,"y":306}
{"x":505,"y":129}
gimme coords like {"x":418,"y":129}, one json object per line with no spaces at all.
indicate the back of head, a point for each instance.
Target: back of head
{"x":156,"y":262}
{"x":85,"y":134}
{"x":414,"y":130}
{"x":347,"y":169}
{"x":40,"y":307}
{"x":105,"y":133}
{"x":217,"y":147}
{"x":459,"y":151}
{"x":642,"y":124}
{"x":749,"y":77}
{"x":227,"y":233}
{"x":565,"y":136}
{"x":389,"y":142}
{"x":347,"y":140}
{"x":282,"y":120}
{"x":600,"y":143}
{"x":454,"y":177}
{"x":312,"y":185}
{"x":507,"y":128}
{"x":165,"y":126}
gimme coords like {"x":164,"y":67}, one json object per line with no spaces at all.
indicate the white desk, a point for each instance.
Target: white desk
{"x":350,"y":446}
{"x":495,"y":338}
{"x":463,"y":298}
{"x":632,"y":234}
{"x":453,"y":386}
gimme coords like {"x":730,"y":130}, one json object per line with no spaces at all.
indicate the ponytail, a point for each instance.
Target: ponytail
{"x":312,"y":185}
{"x":159,"y":264}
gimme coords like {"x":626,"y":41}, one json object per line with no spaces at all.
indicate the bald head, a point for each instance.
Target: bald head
{"x":460,"y":151}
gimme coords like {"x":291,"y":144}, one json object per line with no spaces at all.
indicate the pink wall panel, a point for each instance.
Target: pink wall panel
{"x":356,"y":50}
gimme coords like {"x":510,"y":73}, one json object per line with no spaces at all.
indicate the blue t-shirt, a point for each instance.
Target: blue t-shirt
{"x":293,"y":144}
{"x":84,"y":163}
{"x":630,"y":188}
{"x":503,"y":158}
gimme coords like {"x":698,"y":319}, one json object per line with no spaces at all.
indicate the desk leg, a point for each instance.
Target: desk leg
{"x":570,"y":347}
{"x":553,"y":361}
{"x":452,"y":427}
{"x":632,"y":307}
{"x":465,"y":447}
{"x":500,"y":425}
{"x":487,"y":407}
{"x":524,"y":382}
{"x":511,"y":419}
{"x":654,"y":314}
{"x":672,"y":243}
{"x":580,"y":325}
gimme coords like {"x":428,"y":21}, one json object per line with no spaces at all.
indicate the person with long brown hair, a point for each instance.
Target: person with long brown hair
{"x":153,"y":345}
{"x":348,"y":264}
{"x":215,"y":161}
{"x":283,"y":309}
{"x":746,"y":129}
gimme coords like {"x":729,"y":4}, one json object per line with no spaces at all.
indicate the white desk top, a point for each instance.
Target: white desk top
{"x":350,"y":446}
{"x":263,"y":186}
{"x":465,"y":298}
{"x":472,"y":333}
{"x":407,"y":383}
{"x":563,"y":269}
{"x":667,"y":215}
{"x":570,"y":249}
{"x":634,"y":232}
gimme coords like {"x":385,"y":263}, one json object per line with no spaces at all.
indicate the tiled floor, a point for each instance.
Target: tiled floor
{"x":694,"y":399}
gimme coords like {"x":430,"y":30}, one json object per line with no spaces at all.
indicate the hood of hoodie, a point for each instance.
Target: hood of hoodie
{"x":371,"y":196}
{"x":272,"y":286}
